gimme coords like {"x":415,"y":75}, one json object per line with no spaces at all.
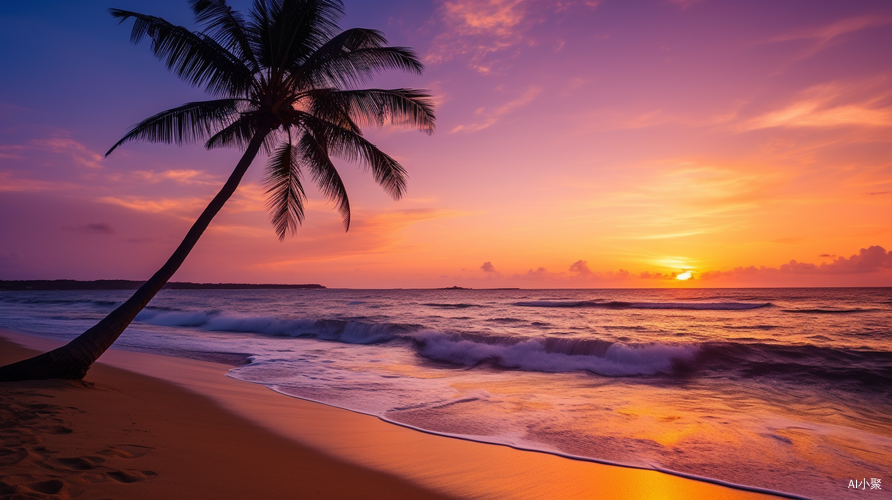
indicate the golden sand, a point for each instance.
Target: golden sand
{"x":167,"y":427}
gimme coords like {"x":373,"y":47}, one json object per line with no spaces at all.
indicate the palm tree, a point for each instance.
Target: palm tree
{"x":283,"y":79}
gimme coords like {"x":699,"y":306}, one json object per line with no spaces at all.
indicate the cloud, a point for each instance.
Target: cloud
{"x":581,"y":267}
{"x":178,"y":176}
{"x":142,"y":204}
{"x":481,"y":31}
{"x":76,"y":151}
{"x":487,"y":267}
{"x":647,"y":275}
{"x":492,"y":115}
{"x":824,"y":34}
{"x":93,"y":228}
{"x":538,"y":274}
{"x":10,"y":183}
{"x":873,"y":259}
{"x":684,"y":4}
{"x":829,"y":105}
{"x":11,"y":151}
{"x":473,"y":29}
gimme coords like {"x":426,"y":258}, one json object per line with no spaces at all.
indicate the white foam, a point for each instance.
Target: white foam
{"x":618,"y":359}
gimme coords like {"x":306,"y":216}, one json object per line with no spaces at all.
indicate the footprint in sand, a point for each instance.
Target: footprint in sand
{"x":132,"y":476}
{"x":76,"y":463}
{"x":9,"y":456}
{"x":126,"y":451}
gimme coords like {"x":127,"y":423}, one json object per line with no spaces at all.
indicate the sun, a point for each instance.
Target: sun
{"x":684,"y":276}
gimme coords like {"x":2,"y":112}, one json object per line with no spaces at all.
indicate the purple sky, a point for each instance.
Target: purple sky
{"x":579,"y":143}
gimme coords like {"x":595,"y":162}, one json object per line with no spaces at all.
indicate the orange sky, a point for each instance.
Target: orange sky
{"x":579,"y":144}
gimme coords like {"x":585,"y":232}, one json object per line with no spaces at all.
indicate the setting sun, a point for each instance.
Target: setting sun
{"x":684,"y":276}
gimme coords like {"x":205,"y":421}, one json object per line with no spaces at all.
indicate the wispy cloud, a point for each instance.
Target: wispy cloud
{"x":489,"y":116}
{"x":177,"y":206}
{"x":93,"y":228}
{"x":77,"y":152}
{"x":830,"y":105}
{"x":824,"y":34}
{"x":473,"y":29}
{"x":179,"y":176}
{"x":683,"y":4}
{"x":481,"y":31}
{"x":9,"y":182}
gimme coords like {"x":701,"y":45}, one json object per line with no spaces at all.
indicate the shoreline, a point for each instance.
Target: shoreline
{"x":448,"y":466}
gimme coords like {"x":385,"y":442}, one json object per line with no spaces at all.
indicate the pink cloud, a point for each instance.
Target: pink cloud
{"x":478,"y":30}
{"x":824,"y":34}
{"x":10,"y":183}
{"x":833,"y":105}
{"x":184,"y":176}
{"x":873,"y":259}
{"x":581,"y":267}
{"x":77,"y":152}
{"x":491,"y":115}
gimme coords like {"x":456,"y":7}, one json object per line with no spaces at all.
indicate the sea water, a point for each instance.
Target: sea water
{"x":784,"y":389}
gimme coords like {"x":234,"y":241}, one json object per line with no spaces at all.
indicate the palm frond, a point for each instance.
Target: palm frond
{"x":227,"y":27}
{"x":350,"y":146}
{"x":194,"y":57}
{"x":285,"y":32}
{"x":314,"y":154}
{"x":351,"y":58}
{"x":411,"y":108}
{"x":286,"y":194}
{"x":185,"y":124}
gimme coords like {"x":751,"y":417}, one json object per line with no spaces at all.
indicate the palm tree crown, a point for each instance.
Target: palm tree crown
{"x":286,"y":76}
{"x":283,"y":79}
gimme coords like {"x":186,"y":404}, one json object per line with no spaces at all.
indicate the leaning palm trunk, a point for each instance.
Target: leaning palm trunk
{"x":284,"y":80}
{"x":72,"y":360}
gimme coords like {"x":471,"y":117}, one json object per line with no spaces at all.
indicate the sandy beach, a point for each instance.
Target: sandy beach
{"x":149,"y":426}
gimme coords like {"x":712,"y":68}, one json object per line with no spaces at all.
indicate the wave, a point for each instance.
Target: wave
{"x":720,"y":306}
{"x":738,"y":358}
{"x":40,"y":300}
{"x":844,"y":368}
{"x":348,"y":331}
{"x":451,"y":306}
{"x":553,"y":354}
{"x":829,"y":311}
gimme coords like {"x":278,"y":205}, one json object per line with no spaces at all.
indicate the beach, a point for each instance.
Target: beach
{"x":133,"y":433}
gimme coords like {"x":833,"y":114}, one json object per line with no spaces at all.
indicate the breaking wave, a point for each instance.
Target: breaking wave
{"x":547,"y":354}
{"x":351,"y":332}
{"x":858,"y":368}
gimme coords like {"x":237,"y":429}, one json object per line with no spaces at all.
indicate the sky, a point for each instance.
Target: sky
{"x":579,"y":144}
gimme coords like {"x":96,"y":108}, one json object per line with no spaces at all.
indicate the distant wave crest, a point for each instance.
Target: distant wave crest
{"x":728,"y":306}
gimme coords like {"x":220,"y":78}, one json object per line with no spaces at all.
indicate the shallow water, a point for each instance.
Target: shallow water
{"x":785,"y":389}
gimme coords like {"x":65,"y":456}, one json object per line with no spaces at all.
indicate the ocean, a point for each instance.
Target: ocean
{"x":788,"y":390}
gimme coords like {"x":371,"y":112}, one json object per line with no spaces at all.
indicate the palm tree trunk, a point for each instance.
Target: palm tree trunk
{"x":72,"y":360}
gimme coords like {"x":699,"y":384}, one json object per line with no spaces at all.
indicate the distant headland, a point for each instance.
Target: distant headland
{"x":6,"y":285}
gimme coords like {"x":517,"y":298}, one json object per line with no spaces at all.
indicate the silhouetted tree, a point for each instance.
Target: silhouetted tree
{"x":283,"y":79}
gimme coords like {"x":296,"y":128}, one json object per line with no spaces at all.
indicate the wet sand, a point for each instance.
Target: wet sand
{"x":149,"y":426}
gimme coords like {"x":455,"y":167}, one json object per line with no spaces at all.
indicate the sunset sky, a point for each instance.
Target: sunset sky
{"x":579,"y":144}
